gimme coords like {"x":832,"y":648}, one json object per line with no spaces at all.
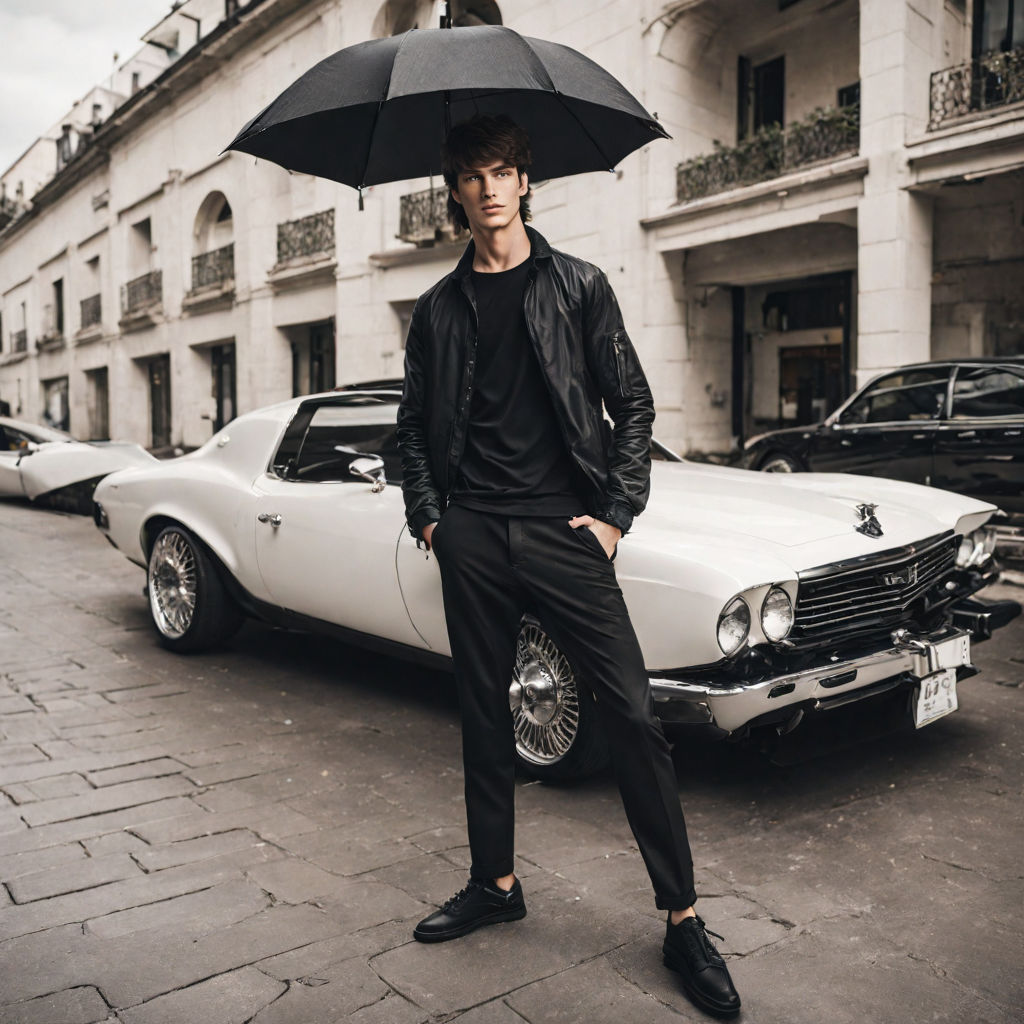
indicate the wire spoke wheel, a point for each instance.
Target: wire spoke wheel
{"x":544,"y":698}
{"x":173,"y":584}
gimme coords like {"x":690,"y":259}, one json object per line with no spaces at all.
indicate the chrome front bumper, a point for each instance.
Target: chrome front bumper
{"x":830,"y":684}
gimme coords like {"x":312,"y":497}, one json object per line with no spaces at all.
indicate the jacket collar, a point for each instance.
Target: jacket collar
{"x":538,"y":243}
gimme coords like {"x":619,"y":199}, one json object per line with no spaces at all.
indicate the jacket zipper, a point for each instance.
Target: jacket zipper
{"x":620,"y":363}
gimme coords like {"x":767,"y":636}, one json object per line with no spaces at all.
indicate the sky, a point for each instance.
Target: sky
{"x":54,"y":52}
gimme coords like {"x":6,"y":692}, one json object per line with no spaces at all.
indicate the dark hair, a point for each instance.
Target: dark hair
{"x":482,"y":140}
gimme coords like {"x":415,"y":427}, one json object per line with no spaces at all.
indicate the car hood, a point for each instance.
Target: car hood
{"x":58,"y":464}
{"x":714,"y":504}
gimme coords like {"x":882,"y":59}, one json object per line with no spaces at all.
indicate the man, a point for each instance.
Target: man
{"x":511,"y":476}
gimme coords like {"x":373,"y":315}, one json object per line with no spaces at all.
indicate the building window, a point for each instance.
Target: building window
{"x":159,"y":373}
{"x":58,"y":307}
{"x":761,"y":92}
{"x":56,"y":411}
{"x":313,"y":360}
{"x":998,"y":26}
{"x":98,"y":403}
{"x":222,"y":362}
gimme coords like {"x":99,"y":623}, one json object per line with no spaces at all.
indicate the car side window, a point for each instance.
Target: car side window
{"x":990,"y":392}
{"x":12,"y":440}
{"x":900,"y":397}
{"x":326,"y":444}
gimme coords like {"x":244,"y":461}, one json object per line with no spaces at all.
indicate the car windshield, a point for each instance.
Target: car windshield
{"x":15,"y":435}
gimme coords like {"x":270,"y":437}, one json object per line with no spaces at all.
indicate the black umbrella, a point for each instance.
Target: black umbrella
{"x":378,"y":111}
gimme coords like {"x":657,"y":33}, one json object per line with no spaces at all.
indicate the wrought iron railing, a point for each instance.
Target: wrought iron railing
{"x":989,"y":81}
{"x":307,"y":236}
{"x":215,"y":268}
{"x":423,"y":216}
{"x":19,"y":340}
{"x":824,"y":135}
{"x":92,"y":311}
{"x":141,"y":292}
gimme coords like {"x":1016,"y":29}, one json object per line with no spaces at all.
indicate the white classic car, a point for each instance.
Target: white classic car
{"x":757,"y":598}
{"x":51,"y":468}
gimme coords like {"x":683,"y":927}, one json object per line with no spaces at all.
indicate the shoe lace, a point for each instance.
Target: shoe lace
{"x":463,"y":894}
{"x":700,"y":921}
{"x":714,"y":957}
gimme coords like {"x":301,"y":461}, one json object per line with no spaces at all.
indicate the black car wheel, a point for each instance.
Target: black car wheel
{"x":780,"y":462}
{"x":558,"y":735}
{"x":188,"y":603}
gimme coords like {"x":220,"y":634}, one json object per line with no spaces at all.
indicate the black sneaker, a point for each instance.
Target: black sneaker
{"x":478,"y":904}
{"x":690,"y":952}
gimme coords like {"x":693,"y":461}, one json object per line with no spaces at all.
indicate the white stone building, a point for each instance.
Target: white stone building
{"x":843,"y":193}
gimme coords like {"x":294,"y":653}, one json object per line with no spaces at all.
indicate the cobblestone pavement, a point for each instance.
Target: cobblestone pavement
{"x":249,"y":835}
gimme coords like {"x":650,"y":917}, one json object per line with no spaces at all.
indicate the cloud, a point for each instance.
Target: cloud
{"x":55,"y":51}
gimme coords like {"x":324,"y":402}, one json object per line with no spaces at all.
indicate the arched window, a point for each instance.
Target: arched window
{"x":213,"y":250}
{"x":397,"y":16}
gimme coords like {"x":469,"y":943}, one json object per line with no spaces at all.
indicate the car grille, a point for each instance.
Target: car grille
{"x":873,"y":591}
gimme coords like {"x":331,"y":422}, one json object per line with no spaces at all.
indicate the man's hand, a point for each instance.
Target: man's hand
{"x":607,"y":534}
{"x":427,"y":531}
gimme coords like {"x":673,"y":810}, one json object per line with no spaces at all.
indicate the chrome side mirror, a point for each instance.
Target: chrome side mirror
{"x":371,"y":468}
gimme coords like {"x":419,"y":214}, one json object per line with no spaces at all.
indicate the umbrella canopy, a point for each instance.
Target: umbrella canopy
{"x":379,"y":111}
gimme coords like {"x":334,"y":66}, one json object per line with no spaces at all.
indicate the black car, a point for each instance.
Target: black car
{"x":958,"y":425}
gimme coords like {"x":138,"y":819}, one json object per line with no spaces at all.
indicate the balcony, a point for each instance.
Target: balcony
{"x":141,"y":300}
{"x":986,"y":83}
{"x":306,"y":237}
{"x":423,"y":218}
{"x":825,"y":135}
{"x":91,"y":312}
{"x":214,"y":269}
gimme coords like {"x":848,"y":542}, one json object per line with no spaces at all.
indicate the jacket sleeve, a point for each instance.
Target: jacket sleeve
{"x":628,"y":400}
{"x":423,"y":501}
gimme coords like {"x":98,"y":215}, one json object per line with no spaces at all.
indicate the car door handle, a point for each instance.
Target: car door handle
{"x":966,"y":433}
{"x":273,"y":518}
{"x":846,"y":443}
{"x":919,"y":437}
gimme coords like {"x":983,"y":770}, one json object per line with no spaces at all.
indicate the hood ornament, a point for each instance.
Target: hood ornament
{"x":868,"y":524}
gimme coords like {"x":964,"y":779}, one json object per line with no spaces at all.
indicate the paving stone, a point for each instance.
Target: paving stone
{"x":364,"y":942}
{"x":332,"y":993}
{"x":392,"y":1009}
{"x":557,"y":933}
{"x":146,"y":692}
{"x":155,"y":858}
{"x":133,"y":892}
{"x":294,"y":881}
{"x":94,"y":825}
{"x":494,"y":1011}
{"x":16,"y":704}
{"x":231,"y":998}
{"x":25,"y":753}
{"x":213,"y":755}
{"x":152,"y":769}
{"x":594,"y":993}
{"x":230,"y":771}
{"x":73,"y":759}
{"x":342,"y":852}
{"x":54,"y":787}
{"x":109,"y":798}
{"x":60,"y":705}
{"x":72,"y":1006}
{"x":217,"y":907}
{"x":271,"y":822}
{"x":57,"y":881}
{"x":114,"y":842}
{"x":139,"y":967}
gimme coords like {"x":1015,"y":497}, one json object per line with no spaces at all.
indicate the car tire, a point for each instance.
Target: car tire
{"x":188,"y":603}
{"x":558,"y":734}
{"x":780,"y":462}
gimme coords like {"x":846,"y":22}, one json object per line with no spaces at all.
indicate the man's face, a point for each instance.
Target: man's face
{"x":490,"y":195}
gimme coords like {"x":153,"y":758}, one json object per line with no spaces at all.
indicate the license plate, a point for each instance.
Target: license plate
{"x":935,"y":697}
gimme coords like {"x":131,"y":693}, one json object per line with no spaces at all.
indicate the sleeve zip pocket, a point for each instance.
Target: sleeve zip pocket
{"x":619,"y":343}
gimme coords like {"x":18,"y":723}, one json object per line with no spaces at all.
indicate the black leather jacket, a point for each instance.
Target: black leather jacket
{"x":586,"y":356}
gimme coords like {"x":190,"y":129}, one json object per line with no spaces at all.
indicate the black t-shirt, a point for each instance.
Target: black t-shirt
{"x":515,"y":460}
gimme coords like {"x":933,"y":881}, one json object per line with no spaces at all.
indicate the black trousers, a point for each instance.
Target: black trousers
{"x":495,"y":567}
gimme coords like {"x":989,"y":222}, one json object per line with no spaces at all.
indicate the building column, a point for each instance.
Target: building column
{"x":894,"y":261}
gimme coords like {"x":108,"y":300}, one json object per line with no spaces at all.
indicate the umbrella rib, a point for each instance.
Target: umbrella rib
{"x":380,"y":103}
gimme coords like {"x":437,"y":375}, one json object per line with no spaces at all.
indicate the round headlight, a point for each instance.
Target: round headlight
{"x":777,"y":614}
{"x":733,"y":625}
